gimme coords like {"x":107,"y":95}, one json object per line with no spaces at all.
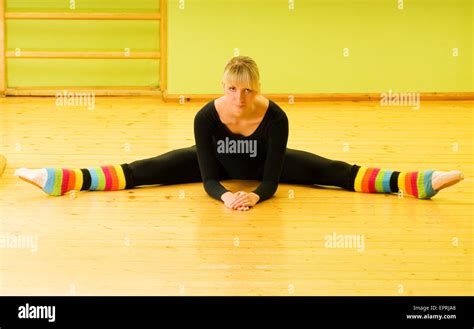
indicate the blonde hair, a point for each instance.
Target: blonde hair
{"x":242,"y":70}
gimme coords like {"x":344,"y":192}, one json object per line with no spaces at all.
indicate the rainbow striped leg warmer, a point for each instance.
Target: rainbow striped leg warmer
{"x":104,"y":178}
{"x":376,"y":180}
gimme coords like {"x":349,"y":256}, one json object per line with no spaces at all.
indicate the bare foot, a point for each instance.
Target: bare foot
{"x":36,"y":177}
{"x":442,"y":179}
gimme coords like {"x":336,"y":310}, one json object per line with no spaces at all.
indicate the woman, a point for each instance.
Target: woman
{"x":241,"y":135}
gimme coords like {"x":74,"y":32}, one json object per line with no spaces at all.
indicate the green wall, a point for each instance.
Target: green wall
{"x":301,"y":51}
{"x":298,"y":51}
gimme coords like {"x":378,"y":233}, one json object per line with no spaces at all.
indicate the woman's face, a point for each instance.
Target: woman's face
{"x":240,"y":98}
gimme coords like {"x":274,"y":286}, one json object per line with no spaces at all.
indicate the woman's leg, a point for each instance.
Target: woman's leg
{"x":174,"y":167}
{"x":422,"y":184}
{"x":58,"y":181}
{"x":302,"y":167}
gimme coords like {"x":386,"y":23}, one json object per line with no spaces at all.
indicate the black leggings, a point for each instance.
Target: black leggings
{"x":181,"y":166}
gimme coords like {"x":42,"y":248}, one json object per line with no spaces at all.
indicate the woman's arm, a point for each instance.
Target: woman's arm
{"x":278,"y":138}
{"x":207,"y":158}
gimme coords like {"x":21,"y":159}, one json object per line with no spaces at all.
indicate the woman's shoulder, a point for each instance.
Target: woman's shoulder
{"x":278,"y":112}
{"x":207,"y":118}
{"x":206,"y":111}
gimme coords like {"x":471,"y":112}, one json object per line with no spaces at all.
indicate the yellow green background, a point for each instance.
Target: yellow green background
{"x":298,"y":51}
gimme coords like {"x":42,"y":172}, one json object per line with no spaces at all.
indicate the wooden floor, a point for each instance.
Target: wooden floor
{"x":176,"y":240}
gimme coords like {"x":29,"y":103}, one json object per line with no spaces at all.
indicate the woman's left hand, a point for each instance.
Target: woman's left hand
{"x":244,"y":199}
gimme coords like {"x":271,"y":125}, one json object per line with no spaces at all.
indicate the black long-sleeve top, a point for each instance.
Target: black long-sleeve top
{"x":214,"y":150}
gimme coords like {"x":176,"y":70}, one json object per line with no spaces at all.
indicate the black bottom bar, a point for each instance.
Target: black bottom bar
{"x":36,"y":312}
